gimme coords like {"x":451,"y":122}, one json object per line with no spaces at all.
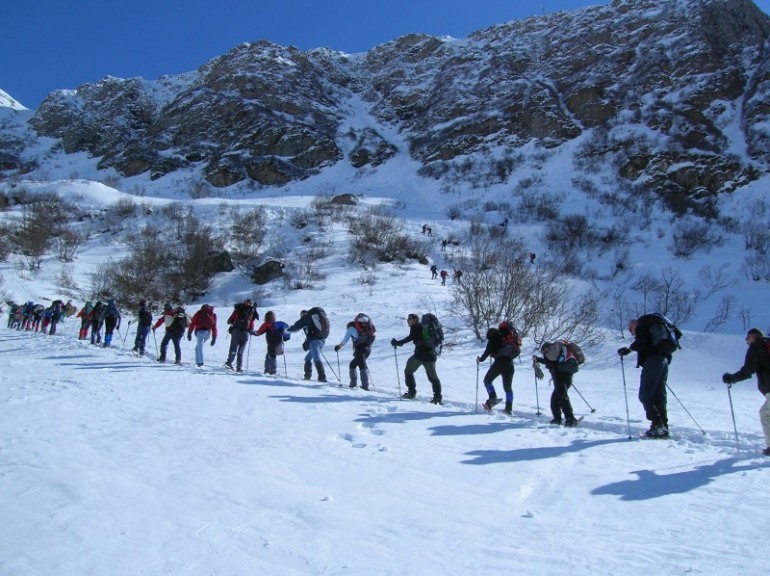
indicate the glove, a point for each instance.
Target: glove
{"x":337,"y":348}
{"x":306,"y":345}
{"x":727,"y":378}
{"x":538,"y":372}
{"x":253,"y":332}
{"x":153,"y":328}
{"x":394,"y":343}
{"x":213,"y":340}
{"x":624,"y":351}
{"x":478,"y":359}
{"x":230,"y":330}
{"x":189,"y":336}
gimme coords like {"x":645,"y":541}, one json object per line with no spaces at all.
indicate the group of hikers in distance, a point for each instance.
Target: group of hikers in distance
{"x":655,"y":341}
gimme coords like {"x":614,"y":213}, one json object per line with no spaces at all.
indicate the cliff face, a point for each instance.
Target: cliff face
{"x":672,"y":94}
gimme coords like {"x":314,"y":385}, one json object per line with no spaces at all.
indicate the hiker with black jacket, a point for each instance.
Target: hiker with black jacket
{"x":424,"y":356}
{"x":175,"y":321}
{"x":654,"y":376}
{"x":501,"y":366}
{"x":315,"y":324}
{"x":562,"y":382}
{"x":143,"y":325}
{"x":241,"y":323}
{"x":757,"y":362}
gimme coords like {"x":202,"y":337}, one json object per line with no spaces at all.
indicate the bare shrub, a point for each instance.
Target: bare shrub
{"x":247,"y":232}
{"x":379,"y":237}
{"x":67,"y":245}
{"x":125,"y":207}
{"x":690,"y":235}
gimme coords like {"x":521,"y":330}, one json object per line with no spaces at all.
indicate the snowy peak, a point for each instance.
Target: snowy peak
{"x":7,"y":101}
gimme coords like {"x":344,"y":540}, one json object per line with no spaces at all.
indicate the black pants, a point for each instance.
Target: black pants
{"x":238,"y":340}
{"x":560,"y":402}
{"x":652,"y":389}
{"x":173,"y":338}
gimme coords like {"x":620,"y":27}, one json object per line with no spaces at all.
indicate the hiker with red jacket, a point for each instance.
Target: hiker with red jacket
{"x":241,"y":323}
{"x":756,"y":362}
{"x":175,"y":321}
{"x":275,"y":335}
{"x":203,"y":325}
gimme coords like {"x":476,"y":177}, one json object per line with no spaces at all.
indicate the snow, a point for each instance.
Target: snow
{"x":110,"y":464}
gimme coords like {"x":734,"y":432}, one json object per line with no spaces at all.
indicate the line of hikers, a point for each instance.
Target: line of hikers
{"x":655,"y":340}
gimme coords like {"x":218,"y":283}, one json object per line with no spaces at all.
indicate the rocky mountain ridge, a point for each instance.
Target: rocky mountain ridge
{"x":674,"y":95}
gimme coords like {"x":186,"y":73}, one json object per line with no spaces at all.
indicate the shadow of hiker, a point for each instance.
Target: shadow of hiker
{"x":649,"y":484}
{"x":482,"y":457}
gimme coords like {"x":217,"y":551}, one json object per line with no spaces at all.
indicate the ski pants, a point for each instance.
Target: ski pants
{"x":360,"y":354}
{"x":764,"y":418}
{"x":314,"y":351}
{"x":109,"y":327}
{"x":430,"y":371}
{"x":502,"y":366}
{"x":141,"y":338}
{"x":560,"y":402}
{"x":201,"y":337}
{"x":96,"y":332}
{"x":174,"y":339}
{"x":238,"y":340}
{"x":652,"y":389}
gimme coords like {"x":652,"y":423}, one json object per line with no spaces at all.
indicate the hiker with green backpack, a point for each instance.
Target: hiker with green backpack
{"x":427,"y":336}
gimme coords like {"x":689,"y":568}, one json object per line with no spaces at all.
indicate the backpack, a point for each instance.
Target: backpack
{"x":663,"y":334}
{"x":319,"y":326}
{"x":365,"y":328}
{"x":145,"y":317}
{"x":206,"y":320}
{"x":511,"y":340}
{"x":432,"y":332}
{"x":245,"y":314}
{"x":280,"y":328}
{"x":571,"y":357}
{"x":179,"y":323}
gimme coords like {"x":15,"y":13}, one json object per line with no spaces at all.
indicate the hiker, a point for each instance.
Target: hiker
{"x":361,"y":331}
{"x":85,"y":319}
{"x":444,"y":275}
{"x":654,"y":377}
{"x":275,"y":335}
{"x":97,"y":319}
{"x":143,"y":325}
{"x":69,"y":309}
{"x":562,"y":381}
{"x":175,"y":321}
{"x":57,"y":312}
{"x":532,"y":257}
{"x":443,"y":244}
{"x":424,"y":355}
{"x":241,"y":323}
{"x":315,"y":325}
{"x":111,"y":321}
{"x":503,"y":348}
{"x":756,"y":362}
{"x":433,"y":272}
{"x":203,"y":325}
{"x":37,"y":316}
{"x":458,"y":274}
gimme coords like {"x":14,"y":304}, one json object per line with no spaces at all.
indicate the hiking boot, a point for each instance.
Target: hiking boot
{"x":491,"y":402}
{"x":507,"y":412}
{"x":657,"y":432}
{"x":437,"y":399}
{"x":161,"y":360}
{"x":177,"y":362}
{"x":556,"y":421}
{"x":571,"y":422}
{"x":229,"y":366}
{"x":409,"y":394}
{"x":354,"y":385}
{"x":364,"y":387}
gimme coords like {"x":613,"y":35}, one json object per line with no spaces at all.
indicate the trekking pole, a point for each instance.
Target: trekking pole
{"x":593,"y":410}
{"x":285,"y":370}
{"x":330,"y":367}
{"x":338,"y":361}
{"x":398,"y":374}
{"x":537,"y":394}
{"x":478,"y":368}
{"x":625,"y":395}
{"x":685,"y":409}
{"x":156,"y":343}
{"x":123,"y":345}
{"x":730,"y":396}
{"x":248,"y":353}
{"x":371,"y":380}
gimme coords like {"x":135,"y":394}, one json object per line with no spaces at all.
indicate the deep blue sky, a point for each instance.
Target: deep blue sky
{"x":50,"y":44}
